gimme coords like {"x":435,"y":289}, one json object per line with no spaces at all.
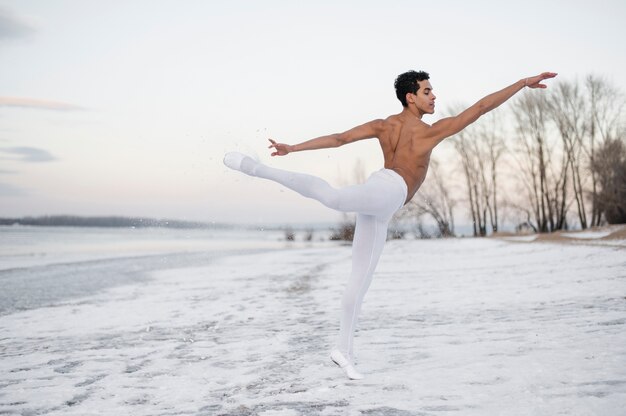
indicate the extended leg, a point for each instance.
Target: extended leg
{"x":369,"y":198}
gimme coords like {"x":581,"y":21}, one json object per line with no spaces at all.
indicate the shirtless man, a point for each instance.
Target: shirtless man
{"x":407,"y":143}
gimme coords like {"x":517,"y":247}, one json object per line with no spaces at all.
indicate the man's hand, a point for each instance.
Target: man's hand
{"x":281,"y":148}
{"x":535,"y":82}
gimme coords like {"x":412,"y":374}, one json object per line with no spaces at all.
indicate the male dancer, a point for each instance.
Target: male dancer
{"x":407,"y":143}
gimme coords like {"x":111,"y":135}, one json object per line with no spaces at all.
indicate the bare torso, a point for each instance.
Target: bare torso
{"x":406,"y":148}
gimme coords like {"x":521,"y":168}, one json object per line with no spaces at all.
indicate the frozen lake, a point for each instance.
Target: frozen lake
{"x":43,"y":265}
{"x":454,"y":327}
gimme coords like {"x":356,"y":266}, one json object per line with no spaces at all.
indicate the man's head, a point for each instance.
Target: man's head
{"x":408,"y":83}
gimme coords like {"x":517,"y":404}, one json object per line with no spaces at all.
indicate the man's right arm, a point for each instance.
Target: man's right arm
{"x":364,"y":131}
{"x":452,"y":125}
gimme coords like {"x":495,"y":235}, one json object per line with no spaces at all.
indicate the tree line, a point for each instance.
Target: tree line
{"x":553,"y":161}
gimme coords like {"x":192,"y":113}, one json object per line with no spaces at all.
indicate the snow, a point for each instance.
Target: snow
{"x":455,"y":326}
{"x":523,"y":238}
{"x":588,"y":234}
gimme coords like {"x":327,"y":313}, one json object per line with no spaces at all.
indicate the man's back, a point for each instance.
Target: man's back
{"x":406,"y":148}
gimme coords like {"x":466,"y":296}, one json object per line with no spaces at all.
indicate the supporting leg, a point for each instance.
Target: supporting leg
{"x":369,"y":239}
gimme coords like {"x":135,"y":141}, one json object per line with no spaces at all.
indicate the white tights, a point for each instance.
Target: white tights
{"x":374,"y":201}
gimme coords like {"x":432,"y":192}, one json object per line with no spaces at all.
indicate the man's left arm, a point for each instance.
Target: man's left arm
{"x":452,"y":125}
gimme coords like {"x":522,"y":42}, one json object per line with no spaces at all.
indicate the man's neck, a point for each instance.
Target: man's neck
{"x":412,"y":113}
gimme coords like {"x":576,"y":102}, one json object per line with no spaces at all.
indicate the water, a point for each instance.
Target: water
{"x":41,"y":266}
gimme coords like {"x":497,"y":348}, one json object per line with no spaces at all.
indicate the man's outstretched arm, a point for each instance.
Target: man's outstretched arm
{"x":452,"y":125}
{"x":364,"y":131}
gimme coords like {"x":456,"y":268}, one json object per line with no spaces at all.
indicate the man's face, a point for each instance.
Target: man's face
{"x":424,"y":100}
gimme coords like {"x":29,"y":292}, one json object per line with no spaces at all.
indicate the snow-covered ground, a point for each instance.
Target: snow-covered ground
{"x":449,"y":327}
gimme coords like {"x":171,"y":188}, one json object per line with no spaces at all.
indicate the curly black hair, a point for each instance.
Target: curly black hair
{"x":408,"y":83}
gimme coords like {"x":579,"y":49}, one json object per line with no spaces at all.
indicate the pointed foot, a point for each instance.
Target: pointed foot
{"x":239,"y":161}
{"x":338,"y":358}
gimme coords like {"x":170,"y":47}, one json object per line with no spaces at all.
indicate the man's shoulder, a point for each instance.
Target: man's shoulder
{"x":390,"y":121}
{"x":399,"y":120}
{"x":394,"y":118}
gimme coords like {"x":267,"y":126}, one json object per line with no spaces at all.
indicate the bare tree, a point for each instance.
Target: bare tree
{"x":480,"y":148}
{"x":610,"y":168}
{"x":605,"y":122}
{"x":542,"y":168}
{"x":464,"y":148}
{"x":568,"y":110}
{"x":585,"y":117}
{"x":490,"y":149}
{"x":433,"y":200}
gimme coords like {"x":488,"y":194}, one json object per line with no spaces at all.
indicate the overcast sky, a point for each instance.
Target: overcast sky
{"x":127,"y":107}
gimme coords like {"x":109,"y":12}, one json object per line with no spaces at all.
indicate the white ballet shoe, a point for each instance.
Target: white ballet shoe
{"x":239,"y":161}
{"x":233,"y":160}
{"x":339,"y":359}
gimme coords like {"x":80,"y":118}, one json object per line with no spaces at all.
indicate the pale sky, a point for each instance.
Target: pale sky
{"x":127,"y":107}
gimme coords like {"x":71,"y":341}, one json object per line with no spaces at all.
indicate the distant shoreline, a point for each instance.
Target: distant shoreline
{"x":108,"y":222}
{"x":113,"y":221}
